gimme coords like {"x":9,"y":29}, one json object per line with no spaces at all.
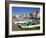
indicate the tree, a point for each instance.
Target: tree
{"x":36,"y":14}
{"x":31,"y":15}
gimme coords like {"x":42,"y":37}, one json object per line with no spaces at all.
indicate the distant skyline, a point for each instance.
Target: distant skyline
{"x":23,"y":10}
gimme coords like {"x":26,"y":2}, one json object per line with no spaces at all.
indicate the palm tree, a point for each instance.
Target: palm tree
{"x":31,"y":15}
{"x":36,"y":14}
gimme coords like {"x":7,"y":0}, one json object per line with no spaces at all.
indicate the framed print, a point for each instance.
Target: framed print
{"x":24,"y":18}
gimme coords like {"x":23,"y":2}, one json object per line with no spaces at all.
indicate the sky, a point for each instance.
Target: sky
{"x":23,"y":10}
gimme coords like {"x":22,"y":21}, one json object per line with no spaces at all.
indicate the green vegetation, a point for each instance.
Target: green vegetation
{"x":34,"y":22}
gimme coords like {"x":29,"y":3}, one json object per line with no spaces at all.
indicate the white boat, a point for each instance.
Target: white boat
{"x":30,"y":26}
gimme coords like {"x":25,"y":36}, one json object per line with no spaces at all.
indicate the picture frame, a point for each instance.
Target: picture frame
{"x":21,"y":6}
